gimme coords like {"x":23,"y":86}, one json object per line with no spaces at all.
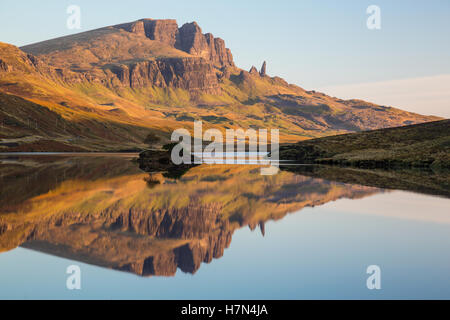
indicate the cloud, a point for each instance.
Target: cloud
{"x":426,"y":95}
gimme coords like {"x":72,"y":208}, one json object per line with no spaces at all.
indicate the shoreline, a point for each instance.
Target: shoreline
{"x":50,"y":153}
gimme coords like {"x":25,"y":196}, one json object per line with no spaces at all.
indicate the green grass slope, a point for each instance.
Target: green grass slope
{"x":422,"y":145}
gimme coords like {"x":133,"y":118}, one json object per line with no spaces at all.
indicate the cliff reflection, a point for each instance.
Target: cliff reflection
{"x":105,"y":211}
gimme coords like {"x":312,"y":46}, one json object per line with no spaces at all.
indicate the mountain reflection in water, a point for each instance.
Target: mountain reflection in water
{"x":104,"y":211}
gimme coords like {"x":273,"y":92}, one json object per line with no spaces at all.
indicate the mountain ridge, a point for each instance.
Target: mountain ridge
{"x":151,"y":77}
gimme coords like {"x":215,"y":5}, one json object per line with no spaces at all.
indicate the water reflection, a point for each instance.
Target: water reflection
{"x":105,"y":211}
{"x":426,"y":181}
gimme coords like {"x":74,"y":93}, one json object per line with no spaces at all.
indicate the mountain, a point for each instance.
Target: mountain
{"x":108,"y":89}
{"x":425,"y":181}
{"x":422,"y":145}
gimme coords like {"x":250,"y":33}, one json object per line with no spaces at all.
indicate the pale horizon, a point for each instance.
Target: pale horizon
{"x":425,"y":95}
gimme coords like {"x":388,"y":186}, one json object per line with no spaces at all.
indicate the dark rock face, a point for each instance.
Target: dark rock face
{"x":226,"y":73}
{"x":254,"y":71}
{"x":198,"y":73}
{"x":133,"y":27}
{"x":193,"y":41}
{"x":220,"y":54}
{"x":263,"y":70}
{"x":189,"y":38}
{"x":188,"y":258}
{"x":165,"y":31}
{"x":244,"y":77}
{"x":193,"y":74}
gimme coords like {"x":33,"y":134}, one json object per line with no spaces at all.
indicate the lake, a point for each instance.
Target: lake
{"x":218,"y":231}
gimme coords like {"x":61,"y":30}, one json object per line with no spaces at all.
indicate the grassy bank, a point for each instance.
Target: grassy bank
{"x":423,"y":145}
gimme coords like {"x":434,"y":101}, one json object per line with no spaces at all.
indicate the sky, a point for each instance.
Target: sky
{"x":314,"y":44}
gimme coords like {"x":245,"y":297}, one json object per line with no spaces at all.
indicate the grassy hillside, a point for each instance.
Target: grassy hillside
{"x":422,"y":145}
{"x":27,"y":126}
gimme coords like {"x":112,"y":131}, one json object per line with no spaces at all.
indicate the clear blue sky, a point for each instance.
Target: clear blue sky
{"x":310,"y":43}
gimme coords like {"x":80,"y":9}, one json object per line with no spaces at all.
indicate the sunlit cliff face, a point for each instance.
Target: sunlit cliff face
{"x":106,"y":212}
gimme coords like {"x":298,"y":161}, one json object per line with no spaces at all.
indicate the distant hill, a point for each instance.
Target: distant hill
{"x":114,"y":86}
{"x":421,"y":145}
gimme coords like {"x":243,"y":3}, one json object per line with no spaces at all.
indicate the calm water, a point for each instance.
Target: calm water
{"x":219,"y":232}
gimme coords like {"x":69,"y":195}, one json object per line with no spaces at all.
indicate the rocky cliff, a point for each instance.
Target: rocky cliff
{"x":192,"y":74}
{"x":167,"y":56}
{"x":189,"y":38}
{"x":193,"y":41}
